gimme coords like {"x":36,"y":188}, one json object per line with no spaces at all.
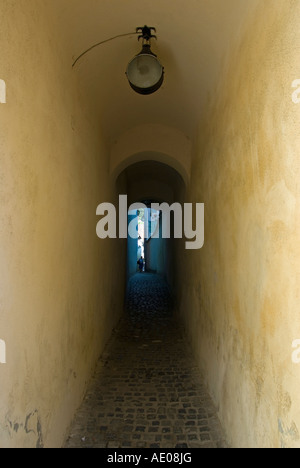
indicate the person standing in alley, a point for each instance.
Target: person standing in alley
{"x":141,"y":264}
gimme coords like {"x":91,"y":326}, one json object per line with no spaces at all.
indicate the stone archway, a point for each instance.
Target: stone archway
{"x":158,"y":143}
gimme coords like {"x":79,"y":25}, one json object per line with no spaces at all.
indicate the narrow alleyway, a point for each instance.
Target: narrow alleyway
{"x":147,"y":392}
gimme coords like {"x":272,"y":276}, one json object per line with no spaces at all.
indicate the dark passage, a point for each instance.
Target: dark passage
{"x":147,"y":391}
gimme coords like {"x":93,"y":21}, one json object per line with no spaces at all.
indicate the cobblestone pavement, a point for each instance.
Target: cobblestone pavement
{"x":147,"y":391}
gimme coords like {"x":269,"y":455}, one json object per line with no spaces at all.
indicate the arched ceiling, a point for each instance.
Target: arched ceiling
{"x":153,"y":181}
{"x":194,"y":36}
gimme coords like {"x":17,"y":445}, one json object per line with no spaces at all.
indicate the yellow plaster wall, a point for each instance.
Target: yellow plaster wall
{"x":240,"y":293}
{"x":59,"y":292}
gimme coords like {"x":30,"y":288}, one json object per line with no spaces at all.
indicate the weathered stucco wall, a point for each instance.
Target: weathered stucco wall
{"x":243,"y":288}
{"x":59,"y":295}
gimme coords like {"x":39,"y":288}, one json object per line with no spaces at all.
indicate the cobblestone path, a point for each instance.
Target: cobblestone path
{"x":147,"y":391}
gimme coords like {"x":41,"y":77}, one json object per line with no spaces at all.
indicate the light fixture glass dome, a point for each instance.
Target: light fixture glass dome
{"x":145,"y":73}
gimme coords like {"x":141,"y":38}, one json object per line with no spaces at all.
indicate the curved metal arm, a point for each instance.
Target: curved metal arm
{"x":100,"y":43}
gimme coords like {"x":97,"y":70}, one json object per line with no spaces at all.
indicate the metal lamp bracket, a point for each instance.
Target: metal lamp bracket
{"x":146,"y":33}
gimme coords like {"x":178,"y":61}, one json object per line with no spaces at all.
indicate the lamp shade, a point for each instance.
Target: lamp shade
{"x":145,"y":73}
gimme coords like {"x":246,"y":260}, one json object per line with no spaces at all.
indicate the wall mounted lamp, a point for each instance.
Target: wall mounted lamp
{"x":145,"y":73}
